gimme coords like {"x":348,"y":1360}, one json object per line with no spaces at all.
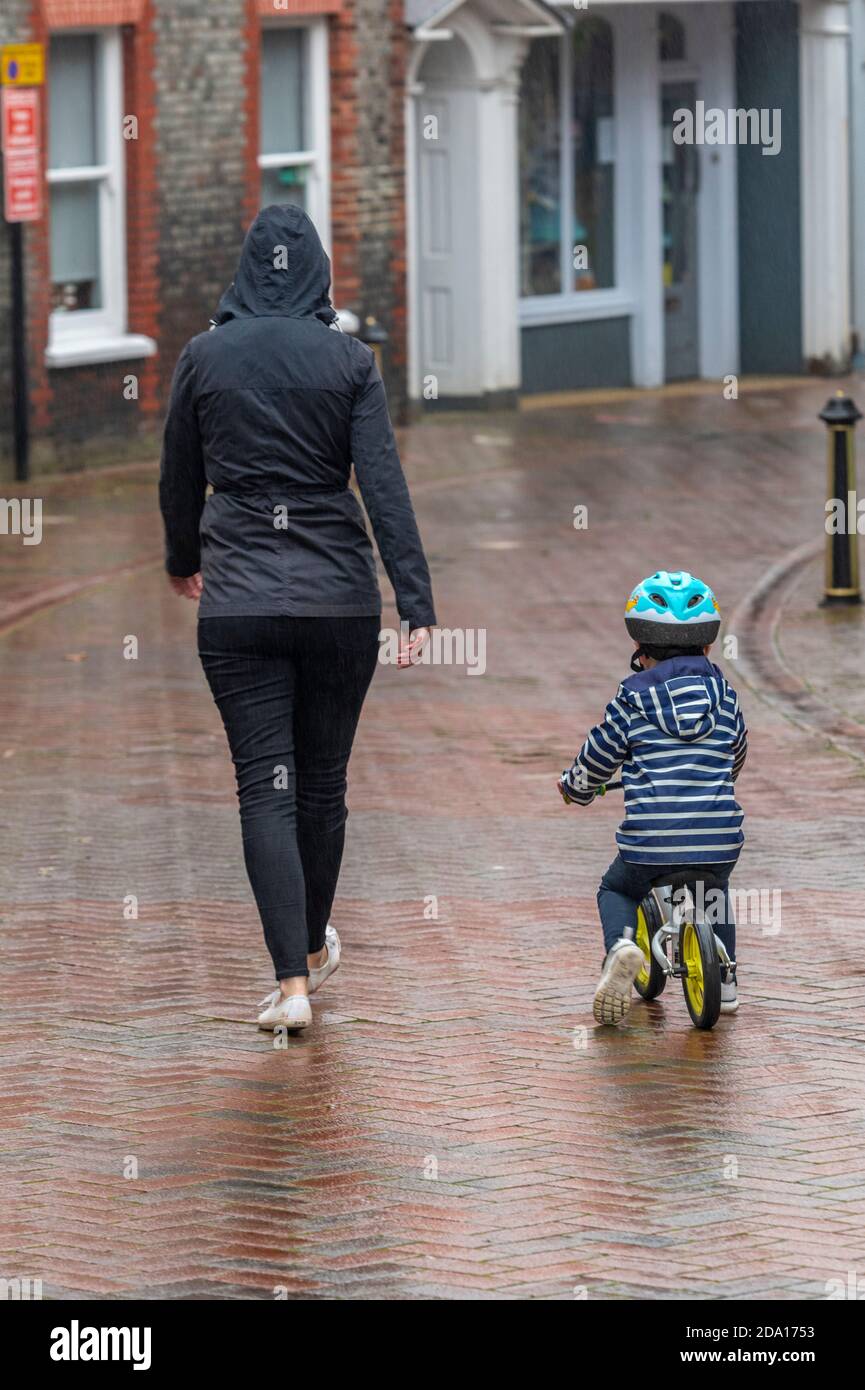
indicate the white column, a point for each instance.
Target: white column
{"x":712,"y":27}
{"x":413,"y":91}
{"x":638,"y":185}
{"x":498,"y":176}
{"x":824,"y":99}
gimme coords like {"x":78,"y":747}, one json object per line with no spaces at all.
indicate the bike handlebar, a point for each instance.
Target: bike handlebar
{"x":599,"y":791}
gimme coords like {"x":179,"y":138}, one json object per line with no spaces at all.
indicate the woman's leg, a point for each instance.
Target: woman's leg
{"x":251,"y":676}
{"x":335,"y":659}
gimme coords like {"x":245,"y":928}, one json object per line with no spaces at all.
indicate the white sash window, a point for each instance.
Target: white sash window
{"x":295,"y":112}
{"x":86,"y":209}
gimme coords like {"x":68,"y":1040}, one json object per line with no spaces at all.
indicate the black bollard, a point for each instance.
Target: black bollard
{"x":842,"y":553}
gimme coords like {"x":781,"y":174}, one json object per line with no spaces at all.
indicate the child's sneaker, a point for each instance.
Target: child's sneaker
{"x":624,"y":962}
{"x":729,"y":993}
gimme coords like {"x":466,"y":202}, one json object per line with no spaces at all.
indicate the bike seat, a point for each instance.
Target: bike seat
{"x":685,"y":878}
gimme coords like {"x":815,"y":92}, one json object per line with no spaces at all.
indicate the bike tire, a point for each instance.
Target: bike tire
{"x":702,"y":982}
{"x":651,"y":980}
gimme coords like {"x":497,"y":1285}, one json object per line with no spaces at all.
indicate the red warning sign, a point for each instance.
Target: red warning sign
{"x":22,"y":172}
{"x":20,"y":120}
{"x":22,"y":188}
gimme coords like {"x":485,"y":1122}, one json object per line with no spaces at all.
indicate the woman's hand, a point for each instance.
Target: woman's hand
{"x":409,"y":651}
{"x":190,"y":587}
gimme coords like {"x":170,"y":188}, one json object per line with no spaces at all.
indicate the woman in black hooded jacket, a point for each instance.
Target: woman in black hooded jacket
{"x":271,"y":408}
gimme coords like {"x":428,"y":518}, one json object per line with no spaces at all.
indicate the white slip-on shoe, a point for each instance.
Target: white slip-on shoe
{"x":284,"y":1011}
{"x":331,"y":964}
{"x":613,"y":996}
{"x":729,"y":994}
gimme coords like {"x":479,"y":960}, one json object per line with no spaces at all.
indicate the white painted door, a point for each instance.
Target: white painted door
{"x":448,"y":242}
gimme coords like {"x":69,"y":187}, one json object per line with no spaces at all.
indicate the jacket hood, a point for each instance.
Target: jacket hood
{"x":681,"y":697}
{"x":283,"y":270}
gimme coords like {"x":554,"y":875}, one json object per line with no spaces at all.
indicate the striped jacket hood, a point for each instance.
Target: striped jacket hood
{"x":682,"y":697}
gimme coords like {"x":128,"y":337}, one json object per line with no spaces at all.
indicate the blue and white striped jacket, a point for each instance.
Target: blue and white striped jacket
{"x":679,"y":737}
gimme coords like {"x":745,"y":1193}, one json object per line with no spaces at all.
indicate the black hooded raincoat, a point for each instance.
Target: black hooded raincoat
{"x":272,"y":407}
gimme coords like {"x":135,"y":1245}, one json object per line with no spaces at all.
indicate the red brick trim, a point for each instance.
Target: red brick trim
{"x":252,"y":110}
{"x":274,"y":9}
{"x":142,"y":198}
{"x":72,"y":14}
{"x":344,"y":161}
{"x":398,"y":326}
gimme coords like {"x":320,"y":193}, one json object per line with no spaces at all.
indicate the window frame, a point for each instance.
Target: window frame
{"x":316,"y":157}
{"x":615,"y":301}
{"x":80,"y":326}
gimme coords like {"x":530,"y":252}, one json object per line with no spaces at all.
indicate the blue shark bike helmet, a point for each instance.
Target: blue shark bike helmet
{"x":673,"y":610}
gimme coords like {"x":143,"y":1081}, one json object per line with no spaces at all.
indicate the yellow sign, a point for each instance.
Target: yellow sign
{"x":22,"y":65}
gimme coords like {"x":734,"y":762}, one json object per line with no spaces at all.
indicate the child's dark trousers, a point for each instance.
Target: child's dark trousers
{"x":624,"y":886}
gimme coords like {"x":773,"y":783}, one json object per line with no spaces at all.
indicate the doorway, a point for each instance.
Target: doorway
{"x":448,"y":228}
{"x":680,"y":189}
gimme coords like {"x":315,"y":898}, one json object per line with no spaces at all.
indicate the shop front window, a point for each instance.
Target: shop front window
{"x":592,"y":135}
{"x":567,"y":163}
{"x":541,"y":171}
{"x":671,"y":39}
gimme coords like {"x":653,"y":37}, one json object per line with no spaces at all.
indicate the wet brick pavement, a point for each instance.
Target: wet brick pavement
{"x":454,"y":1125}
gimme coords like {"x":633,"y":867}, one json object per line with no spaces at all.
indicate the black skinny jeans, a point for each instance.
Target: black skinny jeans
{"x":290,"y":692}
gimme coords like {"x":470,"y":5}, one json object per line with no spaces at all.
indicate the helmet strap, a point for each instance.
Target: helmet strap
{"x":635,"y":660}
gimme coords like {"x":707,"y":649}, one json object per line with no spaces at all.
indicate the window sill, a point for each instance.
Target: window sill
{"x":86,"y":350}
{"x":537,"y":310}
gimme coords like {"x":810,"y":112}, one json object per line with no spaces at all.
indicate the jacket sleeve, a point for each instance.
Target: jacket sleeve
{"x":740,"y":747}
{"x":386,"y":498}
{"x":603,"y":752}
{"x":182,"y":482}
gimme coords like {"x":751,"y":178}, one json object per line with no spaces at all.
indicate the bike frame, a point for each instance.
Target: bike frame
{"x":676,"y":914}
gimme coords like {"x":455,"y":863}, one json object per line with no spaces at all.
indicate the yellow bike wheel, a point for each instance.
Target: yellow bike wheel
{"x":701,"y":981}
{"x":651,"y":979}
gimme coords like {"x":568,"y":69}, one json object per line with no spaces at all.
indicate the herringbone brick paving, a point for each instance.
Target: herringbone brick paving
{"x":454,"y":1125}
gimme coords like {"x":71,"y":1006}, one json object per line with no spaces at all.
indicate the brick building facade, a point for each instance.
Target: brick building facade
{"x":199,"y":111}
